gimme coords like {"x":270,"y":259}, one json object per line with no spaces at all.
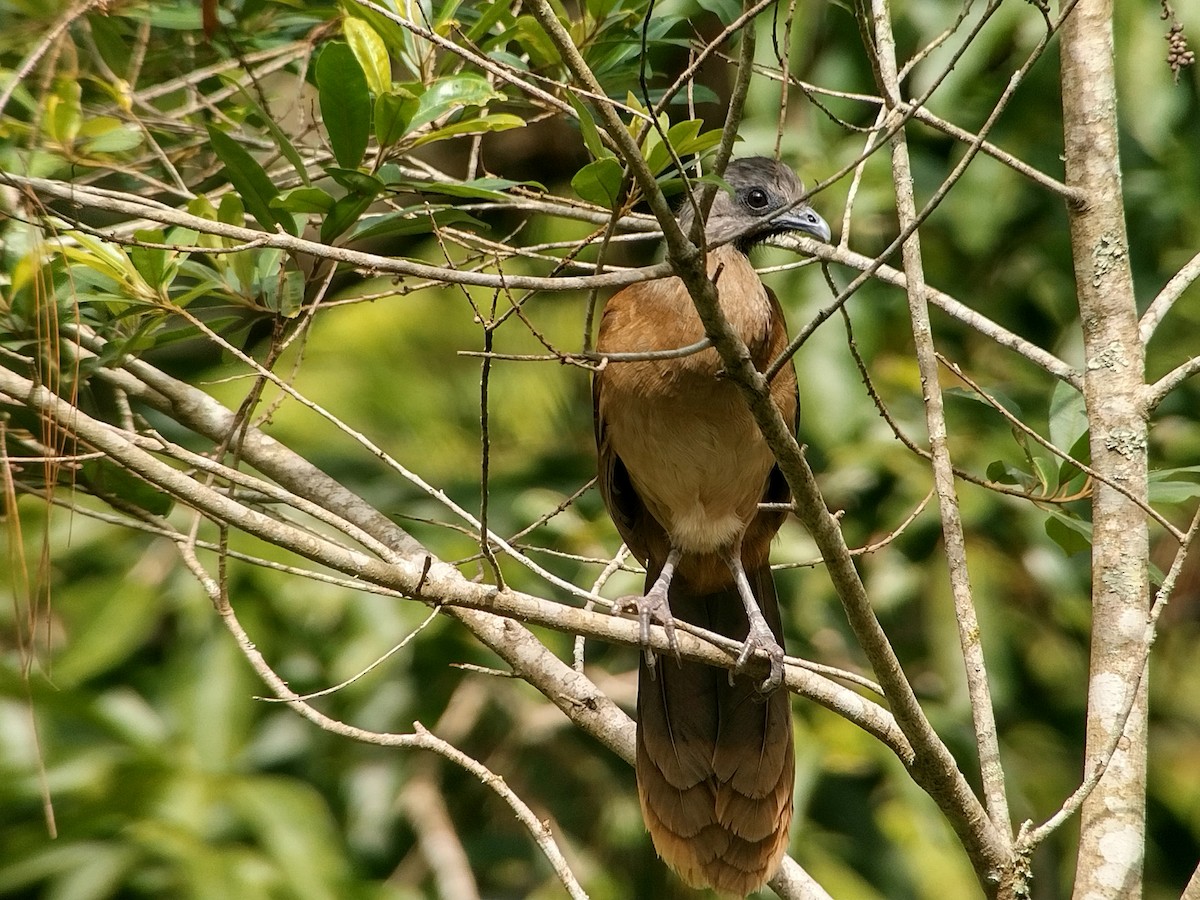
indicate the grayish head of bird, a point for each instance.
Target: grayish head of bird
{"x":763,"y":202}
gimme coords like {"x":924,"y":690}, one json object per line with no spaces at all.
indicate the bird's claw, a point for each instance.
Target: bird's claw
{"x":761,"y":638}
{"x":650,"y":609}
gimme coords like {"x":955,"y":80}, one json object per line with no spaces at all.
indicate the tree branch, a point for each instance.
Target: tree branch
{"x":953,"y":538}
{"x":1112,"y":839}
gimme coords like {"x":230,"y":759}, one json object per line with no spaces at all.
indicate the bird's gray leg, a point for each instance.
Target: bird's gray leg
{"x":759,"y":636}
{"x":653,"y":607}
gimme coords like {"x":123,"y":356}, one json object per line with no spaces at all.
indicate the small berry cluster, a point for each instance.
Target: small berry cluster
{"x":1178,"y":55}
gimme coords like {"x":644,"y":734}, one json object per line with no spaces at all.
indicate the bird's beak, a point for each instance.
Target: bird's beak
{"x":805,"y":220}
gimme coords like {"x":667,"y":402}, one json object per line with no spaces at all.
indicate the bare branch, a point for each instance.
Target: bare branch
{"x":130,"y":204}
{"x":953,"y":538}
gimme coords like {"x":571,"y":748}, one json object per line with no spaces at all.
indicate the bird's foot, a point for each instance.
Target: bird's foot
{"x":761,"y":638}
{"x":650,"y":609}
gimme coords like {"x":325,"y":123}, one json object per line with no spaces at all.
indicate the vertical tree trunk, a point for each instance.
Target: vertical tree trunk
{"x":1113,"y":818}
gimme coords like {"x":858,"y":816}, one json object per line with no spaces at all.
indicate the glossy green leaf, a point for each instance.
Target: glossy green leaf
{"x":450,"y":94}
{"x":344,"y":214}
{"x":535,"y":41}
{"x":370,"y":51}
{"x":481,"y":125}
{"x":493,"y":14}
{"x":1046,"y":473}
{"x":345,"y":103}
{"x":304,"y":200}
{"x":687,"y":139}
{"x":393,"y":113}
{"x":599,"y":182}
{"x":1175,"y":485}
{"x":406,"y":222}
{"x":1002,"y":473}
{"x":250,"y":180}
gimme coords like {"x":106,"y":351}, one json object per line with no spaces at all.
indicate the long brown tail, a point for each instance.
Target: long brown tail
{"x":715,"y":764}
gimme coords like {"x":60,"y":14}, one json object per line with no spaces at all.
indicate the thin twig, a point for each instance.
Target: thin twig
{"x":1172,"y":291}
{"x":953,"y":538}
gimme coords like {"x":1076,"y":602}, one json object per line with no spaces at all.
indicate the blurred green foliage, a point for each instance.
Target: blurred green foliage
{"x":138,"y":719}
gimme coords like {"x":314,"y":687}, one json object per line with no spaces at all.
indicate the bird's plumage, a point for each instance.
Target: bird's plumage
{"x":683,"y":468}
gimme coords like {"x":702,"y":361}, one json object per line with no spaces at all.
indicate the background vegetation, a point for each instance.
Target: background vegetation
{"x":133,"y":730}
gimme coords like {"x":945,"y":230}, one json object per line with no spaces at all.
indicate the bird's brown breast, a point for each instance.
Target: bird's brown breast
{"x":684,"y":434}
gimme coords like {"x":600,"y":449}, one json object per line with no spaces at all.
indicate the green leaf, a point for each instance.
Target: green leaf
{"x":285,"y":295}
{"x":452,"y":93}
{"x":345,"y":103}
{"x":587,"y":126}
{"x":494,"y":12}
{"x":108,"y":478}
{"x":371,"y":52}
{"x":345,"y":213}
{"x":64,"y":113}
{"x":478,"y":189}
{"x":304,"y":200}
{"x":1080,"y":450}
{"x":687,"y":140}
{"x":481,"y":125}
{"x":282,"y":141}
{"x":238,"y":266}
{"x":232,"y":210}
{"x":1169,"y":485}
{"x":1046,"y":473}
{"x":1068,"y":416}
{"x":536,"y":43}
{"x":1002,"y":473}
{"x":250,"y":180}
{"x":599,"y":182}
{"x":104,"y":134}
{"x":357,"y":182}
{"x":408,"y":222}
{"x":1073,"y":535}
{"x":151,"y":262}
{"x":393,"y":113}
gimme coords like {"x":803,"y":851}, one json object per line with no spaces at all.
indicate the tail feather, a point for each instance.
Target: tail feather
{"x":715,"y":761}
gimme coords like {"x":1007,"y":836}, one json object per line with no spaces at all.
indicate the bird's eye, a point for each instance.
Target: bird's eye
{"x":756,"y":198}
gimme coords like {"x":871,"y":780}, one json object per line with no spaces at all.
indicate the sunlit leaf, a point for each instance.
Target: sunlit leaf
{"x":304,"y":200}
{"x":452,"y":93}
{"x":482,"y":125}
{"x":393,"y":113}
{"x":371,"y":53}
{"x":64,"y":114}
{"x":536,"y":43}
{"x":345,"y":103}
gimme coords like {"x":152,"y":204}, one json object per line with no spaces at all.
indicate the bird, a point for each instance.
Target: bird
{"x":683,"y":469}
